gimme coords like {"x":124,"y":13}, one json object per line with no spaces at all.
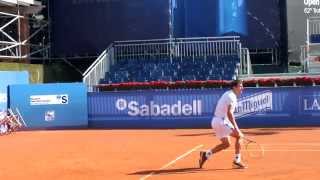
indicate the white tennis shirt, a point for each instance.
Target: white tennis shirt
{"x":228,"y":98}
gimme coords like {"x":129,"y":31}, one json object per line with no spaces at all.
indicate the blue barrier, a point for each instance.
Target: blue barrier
{"x":257,"y":107}
{"x":8,"y":78}
{"x":51,"y":105}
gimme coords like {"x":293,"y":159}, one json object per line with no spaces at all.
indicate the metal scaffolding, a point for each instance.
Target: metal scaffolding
{"x":23,"y":31}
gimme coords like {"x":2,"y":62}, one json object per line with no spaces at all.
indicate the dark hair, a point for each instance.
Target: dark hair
{"x":235,"y":83}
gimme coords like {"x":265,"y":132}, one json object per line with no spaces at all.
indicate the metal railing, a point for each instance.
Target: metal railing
{"x":245,"y":62}
{"x":165,"y":49}
{"x":312,"y":49}
{"x":99,"y":67}
{"x":313,"y":26}
{"x":304,"y":58}
{"x":177,"y":47}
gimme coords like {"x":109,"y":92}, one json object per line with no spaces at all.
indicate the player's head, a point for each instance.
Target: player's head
{"x":237,"y":86}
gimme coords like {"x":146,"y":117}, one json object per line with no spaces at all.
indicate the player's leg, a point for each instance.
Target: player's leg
{"x":222,"y":132}
{"x":238,"y":142}
{"x":205,"y":155}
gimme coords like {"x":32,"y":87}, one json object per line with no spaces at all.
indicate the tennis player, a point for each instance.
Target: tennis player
{"x":225,"y":125}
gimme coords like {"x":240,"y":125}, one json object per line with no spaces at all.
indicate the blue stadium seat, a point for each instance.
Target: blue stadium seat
{"x":187,"y":68}
{"x":315,"y":38}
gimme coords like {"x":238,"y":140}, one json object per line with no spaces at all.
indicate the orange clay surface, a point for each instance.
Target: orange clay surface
{"x":290,"y":154}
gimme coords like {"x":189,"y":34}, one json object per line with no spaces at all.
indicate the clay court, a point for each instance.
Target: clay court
{"x":290,"y":153}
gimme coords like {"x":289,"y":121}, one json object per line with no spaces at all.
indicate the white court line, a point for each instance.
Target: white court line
{"x":172,"y":162}
{"x":291,"y":144}
{"x":282,"y":150}
{"x":279,"y":150}
{"x":292,"y":150}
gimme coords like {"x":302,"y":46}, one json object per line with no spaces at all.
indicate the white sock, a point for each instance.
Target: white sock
{"x":238,"y":158}
{"x":208,"y":153}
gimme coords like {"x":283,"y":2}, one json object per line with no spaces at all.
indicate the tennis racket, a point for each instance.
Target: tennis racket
{"x":252,"y":149}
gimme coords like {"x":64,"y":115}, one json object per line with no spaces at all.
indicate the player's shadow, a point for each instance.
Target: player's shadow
{"x":197,"y":134}
{"x":246,"y":132}
{"x":279,"y":129}
{"x":259,"y":133}
{"x":178,"y":171}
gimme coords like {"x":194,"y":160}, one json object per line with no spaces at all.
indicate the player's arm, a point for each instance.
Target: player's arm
{"x":233,"y":121}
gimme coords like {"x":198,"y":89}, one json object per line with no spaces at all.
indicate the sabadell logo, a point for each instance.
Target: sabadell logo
{"x":178,"y":108}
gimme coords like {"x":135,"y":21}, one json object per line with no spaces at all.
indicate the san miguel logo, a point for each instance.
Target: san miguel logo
{"x":255,"y":103}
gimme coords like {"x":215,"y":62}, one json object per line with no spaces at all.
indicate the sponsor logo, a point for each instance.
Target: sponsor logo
{"x":311,"y":2}
{"x":49,"y":99}
{"x":311,"y":103}
{"x":311,"y":7}
{"x":258,"y":102}
{"x":49,"y":116}
{"x":134,"y":108}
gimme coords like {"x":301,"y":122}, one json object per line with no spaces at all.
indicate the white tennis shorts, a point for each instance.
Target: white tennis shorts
{"x":223,"y":128}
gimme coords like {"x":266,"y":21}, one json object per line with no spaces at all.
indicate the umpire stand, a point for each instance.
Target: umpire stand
{"x":312,"y":55}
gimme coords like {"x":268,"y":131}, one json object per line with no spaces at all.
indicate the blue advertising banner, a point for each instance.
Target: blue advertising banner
{"x":257,"y":107}
{"x":8,"y":78}
{"x":51,"y":105}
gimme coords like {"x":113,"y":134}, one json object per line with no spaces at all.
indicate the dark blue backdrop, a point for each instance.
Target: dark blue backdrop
{"x":257,"y":22}
{"x":88,"y":27}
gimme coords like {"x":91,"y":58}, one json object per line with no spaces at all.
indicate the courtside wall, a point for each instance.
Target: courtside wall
{"x":257,"y":107}
{"x":8,"y":78}
{"x":51,"y":105}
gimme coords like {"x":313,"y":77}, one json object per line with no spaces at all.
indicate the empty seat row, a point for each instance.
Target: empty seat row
{"x":213,"y":68}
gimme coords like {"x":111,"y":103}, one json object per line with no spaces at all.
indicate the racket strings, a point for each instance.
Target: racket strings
{"x":254,"y":150}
